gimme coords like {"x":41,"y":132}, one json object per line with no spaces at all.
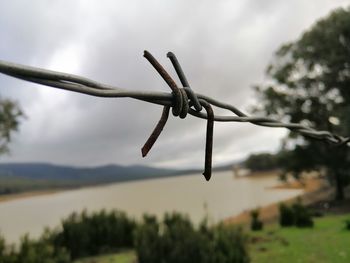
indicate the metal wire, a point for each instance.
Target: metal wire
{"x":183,"y":101}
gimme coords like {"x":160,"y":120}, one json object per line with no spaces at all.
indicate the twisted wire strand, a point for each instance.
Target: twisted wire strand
{"x":83,"y":85}
{"x":182,"y":100}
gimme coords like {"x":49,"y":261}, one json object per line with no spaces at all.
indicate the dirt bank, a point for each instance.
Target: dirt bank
{"x":315,"y":190}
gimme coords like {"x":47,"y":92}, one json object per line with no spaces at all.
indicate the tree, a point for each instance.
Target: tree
{"x":309,"y":82}
{"x":262,"y":162}
{"x":10,"y":114}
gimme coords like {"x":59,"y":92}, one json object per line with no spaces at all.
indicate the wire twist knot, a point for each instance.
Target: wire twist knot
{"x":183,"y":99}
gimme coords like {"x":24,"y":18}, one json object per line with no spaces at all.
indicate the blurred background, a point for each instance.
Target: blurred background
{"x":63,"y":152}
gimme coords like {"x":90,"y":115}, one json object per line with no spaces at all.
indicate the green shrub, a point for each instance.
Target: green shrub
{"x":32,"y":251}
{"x":302,"y":215}
{"x":146,"y":240}
{"x":229,"y":245}
{"x":287,"y":217}
{"x":295,"y":215}
{"x":175,"y":240}
{"x":92,"y":234}
{"x":347,"y":224}
{"x":256,"y":224}
{"x":80,"y":235}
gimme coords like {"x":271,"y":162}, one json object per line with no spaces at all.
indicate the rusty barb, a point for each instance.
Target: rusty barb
{"x":183,"y":101}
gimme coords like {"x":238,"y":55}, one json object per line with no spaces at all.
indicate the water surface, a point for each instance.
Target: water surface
{"x":221,"y":197}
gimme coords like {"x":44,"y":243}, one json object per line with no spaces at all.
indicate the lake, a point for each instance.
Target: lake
{"x":223,"y":196}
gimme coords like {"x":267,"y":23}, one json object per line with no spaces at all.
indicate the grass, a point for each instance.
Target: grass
{"x":123,"y":257}
{"x":328,"y":241}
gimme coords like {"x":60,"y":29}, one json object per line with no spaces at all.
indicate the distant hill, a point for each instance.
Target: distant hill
{"x":100,"y":174}
{"x":24,"y":177}
{"x":21,"y":177}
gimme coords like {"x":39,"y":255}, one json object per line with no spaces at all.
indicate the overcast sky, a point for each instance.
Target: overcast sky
{"x":223,"y":46}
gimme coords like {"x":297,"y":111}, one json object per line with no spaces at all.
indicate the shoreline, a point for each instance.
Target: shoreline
{"x":315,"y":190}
{"x":23,"y":195}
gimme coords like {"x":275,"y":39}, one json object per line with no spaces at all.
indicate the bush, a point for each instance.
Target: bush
{"x":256,"y":224}
{"x":32,"y":251}
{"x":147,"y":240}
{"x":295,"y":215}
{"x":347,"y":224}
{"x":287,"y":217}
{"x":91,"y":234}
{"x":176,"y":240}
{"x":229,"y":245}
{"x":173,"y":240}
{"x":302,"y":216}
{"x":80,"y":235}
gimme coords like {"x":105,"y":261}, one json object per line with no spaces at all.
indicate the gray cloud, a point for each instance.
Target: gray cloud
{"x":224,"y":47}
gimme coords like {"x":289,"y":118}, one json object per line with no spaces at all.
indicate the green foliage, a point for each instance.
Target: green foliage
{"x":40,"y":252}
{"x":287,"y":217}
{"x":302,"y":216}
{"x":91,"y":234}
{"x":176,"y":240}
{"x":10,"y":113}
{"x":347,"y":224}
{"x":295,"y":215}
{"x":262,"y":162}
{"x":147,"y":241}
{"x":309,"y":83}
{"x":33,"y":251}
{"x":298,"y":160}
{"x":256,"y":224}
{"x":230,"y":245}
{"x":80,"y":235}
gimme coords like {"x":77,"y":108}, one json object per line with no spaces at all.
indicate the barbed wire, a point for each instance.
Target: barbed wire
{"x":183,"y":101}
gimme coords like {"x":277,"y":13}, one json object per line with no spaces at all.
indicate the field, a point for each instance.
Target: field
{"x":327,"y":242}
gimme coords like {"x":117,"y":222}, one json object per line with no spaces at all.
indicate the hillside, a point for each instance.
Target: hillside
{"x":20,"y":177}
